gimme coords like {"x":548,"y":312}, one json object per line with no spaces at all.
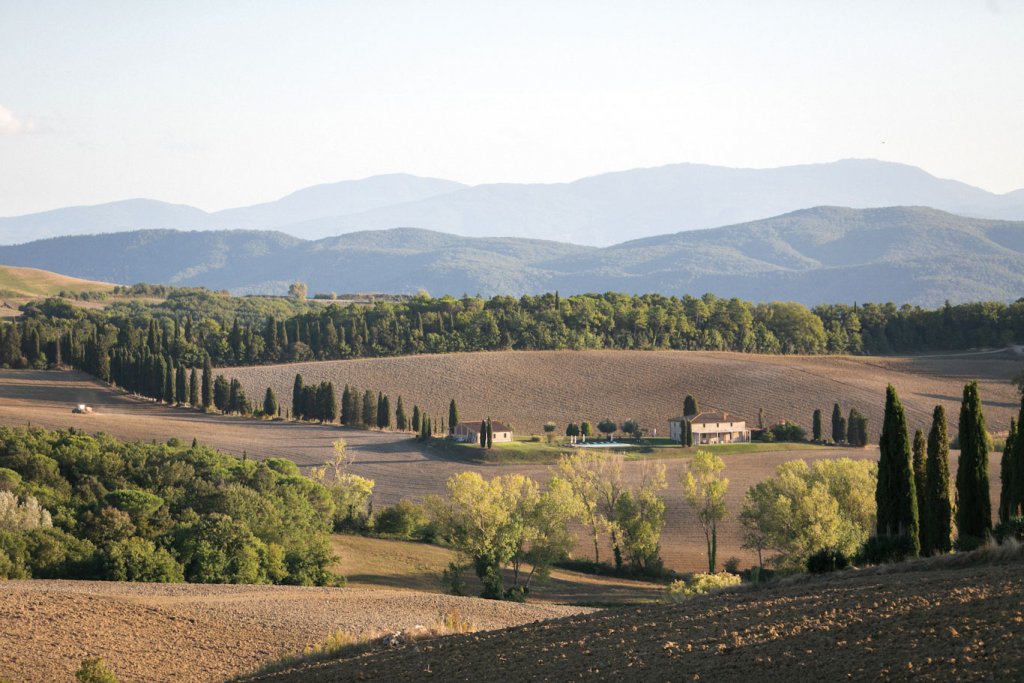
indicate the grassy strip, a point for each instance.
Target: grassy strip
{"x":341,"y":644}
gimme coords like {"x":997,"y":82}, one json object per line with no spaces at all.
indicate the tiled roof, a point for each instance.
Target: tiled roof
{"x":475,"y":426}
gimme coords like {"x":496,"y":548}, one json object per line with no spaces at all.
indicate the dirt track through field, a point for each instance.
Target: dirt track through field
{"x":399,"y":466}
{"x":180,"y":632}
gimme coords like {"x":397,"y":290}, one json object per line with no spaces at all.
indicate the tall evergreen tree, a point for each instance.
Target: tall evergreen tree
{"x":297,"y":408}
{"x":939,"y":509}
{"x":379,"y":424}
{"x":181,"y":385}
{"x":346,"y":406}
{"x":193,"y":389}
{"x":169,"y":383}
{"x":1017,"y":467}
{"x":327,"y":400}
{"x":270,"y":401}
{"x":838,"y":425}
{"x":973,"y":505}
{"x":415,"y":425}
{"x":896,"y":493}
{"x":490,"y":434}
{"x":384,"y":414}
{"x":453,"y":416}
{"x":401,"y":422}
{"x":221,"y":393}
{"x":1006,"y":475}
{"x":690,"y":407}
{"x":816,"y":425}
{"x":207,"y":396}
{"x":483,"y":433}
{"x":919,"y":450}
{"x":369,"y":409}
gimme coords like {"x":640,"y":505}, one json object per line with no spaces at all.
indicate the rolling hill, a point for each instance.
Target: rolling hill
{"x":32,"y":282}
{"x":598,"y":210}
{"x":826,"y":254}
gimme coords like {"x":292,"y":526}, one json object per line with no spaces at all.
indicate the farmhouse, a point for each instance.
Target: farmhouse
{"x":710,"y":427}
{"x":469,"y":432}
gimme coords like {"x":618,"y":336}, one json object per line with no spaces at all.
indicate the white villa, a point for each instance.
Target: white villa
{"x":469,"y":432}
{"x":710,"y":427}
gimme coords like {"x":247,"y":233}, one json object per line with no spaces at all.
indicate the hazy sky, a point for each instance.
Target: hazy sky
{"x":220,"y":104}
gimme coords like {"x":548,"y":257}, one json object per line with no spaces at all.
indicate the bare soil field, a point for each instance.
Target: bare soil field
{"x":181,"y":632}
{"x":936,"y":624}
{"x":529,"y":388}
{"x":400,"y":467}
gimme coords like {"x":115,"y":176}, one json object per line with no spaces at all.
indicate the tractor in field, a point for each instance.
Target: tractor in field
{"x":82,"y":409}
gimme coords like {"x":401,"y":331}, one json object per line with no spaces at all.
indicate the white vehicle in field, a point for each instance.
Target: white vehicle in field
{"x":82,"y":408}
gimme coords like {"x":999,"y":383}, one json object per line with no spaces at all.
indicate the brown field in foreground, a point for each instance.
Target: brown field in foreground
{"x":529,"y":388}
{"x":930,"y":621}
{"x":182,"y":632}
{"x":400,"y":467}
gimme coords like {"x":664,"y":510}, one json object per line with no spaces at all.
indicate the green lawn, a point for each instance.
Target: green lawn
{"x":524,"y":450}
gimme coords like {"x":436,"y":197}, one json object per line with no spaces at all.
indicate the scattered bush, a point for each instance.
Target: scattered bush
{"x":788,"y":431}
{"x":699,"y":584}
{"x":882,"y":549}
{"x":826,"y":560}
{"x":95,"y":671}
{"x":452,"y":580}
{"x":732,"y":565}
{"x":405,"y":519}
{"x":1012,"y":528}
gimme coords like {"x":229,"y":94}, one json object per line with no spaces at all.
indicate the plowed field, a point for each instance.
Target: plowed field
{"x":529,"y":388}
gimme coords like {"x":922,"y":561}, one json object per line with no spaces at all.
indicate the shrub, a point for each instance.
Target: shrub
{"x":95,"y":671}
{"x":1012,"y":528}
{"x":826,"y":560}
{"x":700,"y":584}
{"x":137,"y":559}
{"x":788,"y":431}
{"x":452,"y":580}
{"x":732,"y":565}
{"x":405,"y":519}
{"x":882,"y":549}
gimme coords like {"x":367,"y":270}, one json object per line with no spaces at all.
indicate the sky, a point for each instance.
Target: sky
{"x":220,"y":104}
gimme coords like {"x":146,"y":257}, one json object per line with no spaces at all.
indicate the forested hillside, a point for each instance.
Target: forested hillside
{"x":824,"y":255}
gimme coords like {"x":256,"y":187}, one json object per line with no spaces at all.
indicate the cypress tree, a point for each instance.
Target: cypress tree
{"x":689,"y":433}
{"x":221,"y":393}
{"x":919,"y":450}
{"x":329,"y":403}
{"x":428,"y":428}
{"x":270,"y":401}
{"x":207,"y":396}
{"x":816,"y":425}
{"x":384,"y":415}
{"x":838,"y":425}
{"x":356,"y":408}
{"x":896,"y":494}
{"x":453,"y":416}
{"x":169,"y":382}
{"x":193,"y":389}
{"x":415,"y":425}
{"x":369,"y":409}
{"x":690,"y":406}
{"x":346,"y":406}
{"x":379,"y":422}
{"x":1017,"y":467}
{"x":181,"y":385}
{"x":401,"y":423}
{"x":490,"y":434}
{"x":310,"y":405}
{"x":939,"y":509}
{"x":483,"y":433}
{"x":297,"y":387}
{"x":1006,"y":475}
{"x":973,"y":505}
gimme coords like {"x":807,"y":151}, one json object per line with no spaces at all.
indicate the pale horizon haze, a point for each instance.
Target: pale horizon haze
{"x":221,"y":104}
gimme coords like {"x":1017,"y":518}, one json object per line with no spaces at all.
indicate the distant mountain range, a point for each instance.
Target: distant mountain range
{"x":596,"y":211}
{"x":825,"y":254}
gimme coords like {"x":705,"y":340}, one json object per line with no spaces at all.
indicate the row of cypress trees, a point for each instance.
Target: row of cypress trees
{"x":1011,"y":470}
{"x":913,"y":492}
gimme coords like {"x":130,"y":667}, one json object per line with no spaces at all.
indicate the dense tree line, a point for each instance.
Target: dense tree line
{"x":149,"y":512}
{"x":191,"y":325}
